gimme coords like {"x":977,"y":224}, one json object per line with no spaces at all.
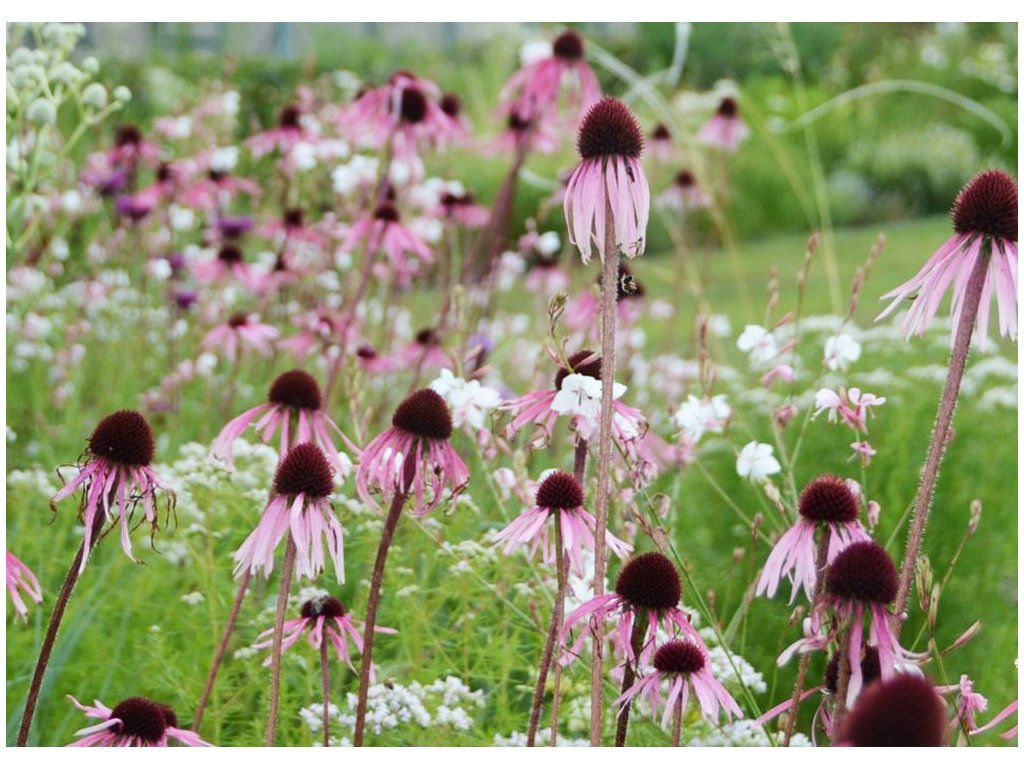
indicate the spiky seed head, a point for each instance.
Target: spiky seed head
{"x":679,"y":657}
{"x":294,"y":218}
{"x":828,"y":499}
{"x":650,"y":582}
{"x":451,"y":105}
{"x":424,"y":413}
{"x":903,"y":711}
{"x":870,"y":668}
{"x":304,"y":469}
{"x":230,"y":254}
{"x":863,"y":571}
{"x":123,"y":437}
{"x":296,"y":389}
{"x":560,"y":490}
{"x":322,"y":606}
{"x":413,"y":106}
{"x":610,"y":128}
{"x":386,"y":212}
{"x":141,"y":718}
{"x":289,"y":117}
{"x":685,"y":179}
{"x":987,"y":206}
{"x":728,"y":107}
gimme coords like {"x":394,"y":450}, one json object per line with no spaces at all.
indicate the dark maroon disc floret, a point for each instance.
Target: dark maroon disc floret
{"x":863,"y":571}
{"x":568,"y":46}
{"x":584,"y":362}
{"x":870,"y":668}
{"x":828,"y":499}
{"x":679,"y":657}
{"x":560,"y":490}
{"x":304,"y":469}
{"x":610,"y":128}
{"x":685,"y":179}
{"x":661,"y":132}
{"x":903,"y":711}
{"x":296,"y":389}
{"x":127,"y":135}
{"x":293,"y":218}
{"x":289,"y":117}
{"x":230,"y":254}
{"x":728,"y":107}
{"x":650,"y":582}
{"x":386,"y":212}
{"x":413,"y":106}
{"x":987,"y":206}
{"x":451,"y":105}
{"x":123,"y":437}
{"x":141,"y":718}
{"x":330,"y":607}
{"x":424,"y":413}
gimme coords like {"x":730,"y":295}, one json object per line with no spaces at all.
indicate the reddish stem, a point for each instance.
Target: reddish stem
{"x":222,"y":648}
{"x":275,"y":654}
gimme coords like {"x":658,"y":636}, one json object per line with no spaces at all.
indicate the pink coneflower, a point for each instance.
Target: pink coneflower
{"x":648,"y":589}
{"x":413,"y":454}
{"x":660,"y":142}
{"x":294,"y":396}
{"x":135,"y":722}
{"x":577,"y":394}
{"x":241,"y":330}
{"x":371,"y":361}
{"x":684,"y":194}
{"x":901,"y":711}
{"x":559,"y":494}
{"x":462,"y":209}
{"x":425,"y":351}
{"x":215,"y":190}
{"x":828,"y":503}
{"x":299,"y":504}
{"x":288,"y":133}
{"x":130,"y":148}
{"x":383,"y":231}
{"x":319,"y":616}
{"x":725,"y":130}
{"x":458,"y":126}
{"x":405,"y":112}
{"x":535,"y":89}
{"x":292,"y":227}
{"x":116,"y":477}
{"x":985,"y":223}
{"x":609,"y":180}
{"x":583,"y":313}
{"x":228,"y":263}
{"x":524,"y":134}
{"x":20,"y":579}
{"x":685,"y":666}
{"x":861,"y":583}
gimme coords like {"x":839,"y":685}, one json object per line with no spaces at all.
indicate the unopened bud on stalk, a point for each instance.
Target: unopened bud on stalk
{"x":972,"y":526}
{"x":923,"y":581}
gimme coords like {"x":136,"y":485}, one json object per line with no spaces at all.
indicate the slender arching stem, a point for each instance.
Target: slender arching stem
{"x":287,"y":567}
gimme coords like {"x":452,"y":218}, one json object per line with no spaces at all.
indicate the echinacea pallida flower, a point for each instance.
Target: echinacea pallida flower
{"x":609,"y":181}
{"x":414,"y":454}
{"x":725,"y":129}
{"x":299,"y":506}
{"x":686,"y":668}
{"x":902,"y":711}
{"x":116,"y":477}
{"x":135,"y":722}
{"x":985,"y":226}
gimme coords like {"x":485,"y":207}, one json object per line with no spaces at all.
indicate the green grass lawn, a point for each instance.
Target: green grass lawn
{"x":129,"y":632}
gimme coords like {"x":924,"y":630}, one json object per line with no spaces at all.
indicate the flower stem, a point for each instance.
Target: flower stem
{"x":325,"y":683}
{"x":820,"y":561}
{"x":222,"y":648}
{"x":843,"y":683}
{"x":51,"y":631}
{"x":275,"y":653}
{"x":941,"y":432}
{"x":609,"y":284}
{"x":677,"y":722}
{"x":397,"y":503}
{"x":549,"y":645}
{"x":636,"y":642}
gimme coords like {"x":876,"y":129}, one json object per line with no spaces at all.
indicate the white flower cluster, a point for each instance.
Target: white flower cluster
{"x":467,"y":554}
{"x":742,"y":733}
{"x":517,"y":739}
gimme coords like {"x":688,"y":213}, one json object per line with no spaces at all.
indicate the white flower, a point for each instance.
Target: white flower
{"x":304,"y":156}
{"x":470,"y":401}
{"x":580,"y":396}
{"x":695,"y":417}
{"x":759,"y":342}
{"x":533,"y":51}
{"x":840,"y":351}
{"x":224,"y":159}
{"x":42,"y":112}
{"x":360,"y":170}
{"x":756,"y":462}
{"x":95,"y":95}
{"x":549,"y":243}
{"x":181,"y":218}
{"x":122,"y":94}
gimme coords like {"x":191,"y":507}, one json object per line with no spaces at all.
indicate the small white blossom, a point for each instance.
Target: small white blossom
{"x":840,"y":351}
{"x":759,"y":342}
{"x":757,"y":461}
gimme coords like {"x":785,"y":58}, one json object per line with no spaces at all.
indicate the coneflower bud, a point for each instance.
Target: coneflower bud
{"x":679,"y":657}
{"x":610,"y":128}
{"x":591,"y":368}
{"x":728,"y":107}
{"x":143,"y":719}
{"x":296,"y":389}
{"x":987,"y":206}
{"x":865,"y":572}
{"x":123,"y":437}
{"x":828,"y":499}
{"x":424,"y":413}
{"x":870,"y":669}
{"x":650,"y":582}
{"x":568,"y":46}
{"x":289,"y":117}
{"x":904,"y":711}
{"x":413,"y":106}
{"x":330,"y":607}
{"x":304,"y":470}
{"x":451,"y":105}
{"x":386,"y":212}
{"x":560,"y":490}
